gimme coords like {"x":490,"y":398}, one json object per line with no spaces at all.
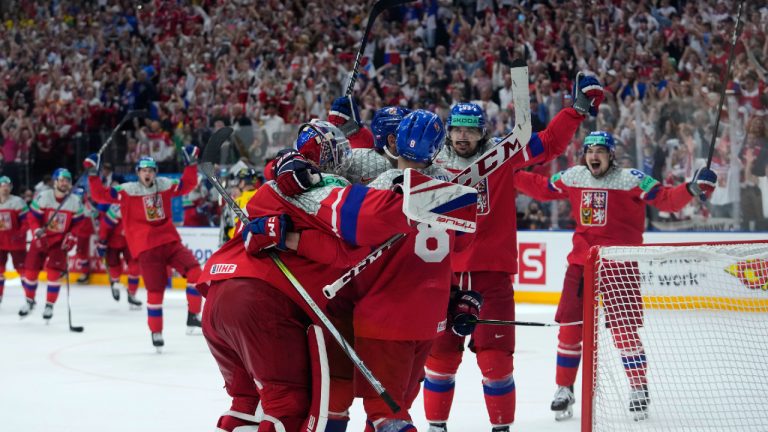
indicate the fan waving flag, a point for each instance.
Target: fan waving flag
{"x":752,"y":273}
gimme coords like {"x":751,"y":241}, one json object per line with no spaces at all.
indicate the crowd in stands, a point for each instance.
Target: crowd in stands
{"x":70,"y":70}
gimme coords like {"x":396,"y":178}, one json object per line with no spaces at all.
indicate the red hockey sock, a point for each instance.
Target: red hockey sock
{"x":29,"y":283}
{"x":155,"y":311}
{"x":627,"y":341}
{"x":194,"y":300}
{"x":568,"y":355}
{"x":498,"y":386}
{"x":440,"y":384}
{"x":133,"y":284}
{"x":53,"y":286}
{"x":115,"y":273}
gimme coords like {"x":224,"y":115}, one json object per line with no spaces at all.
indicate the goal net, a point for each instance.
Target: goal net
{"x":676,"y":338}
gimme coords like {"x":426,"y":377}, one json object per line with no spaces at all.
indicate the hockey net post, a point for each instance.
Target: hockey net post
{"x":690,"y":322}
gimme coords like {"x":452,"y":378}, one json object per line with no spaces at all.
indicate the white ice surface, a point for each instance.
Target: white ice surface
{"x":109,"y":378}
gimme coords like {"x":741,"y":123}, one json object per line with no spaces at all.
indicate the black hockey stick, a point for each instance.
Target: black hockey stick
{"x":378,"y":8}
{"x":522,"y":323}
{"x":76,"y":329}
{"x":206,"y":167}
{"x":725,"y":84}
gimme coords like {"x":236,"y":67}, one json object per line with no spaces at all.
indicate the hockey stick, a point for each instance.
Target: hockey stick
{"x":76,"y":329}
{"x":489,"y":162}
{"x":222,"y":135}
{"x":725,"y":84}
{"x":378,"y":8}
{"x":522,"y":323}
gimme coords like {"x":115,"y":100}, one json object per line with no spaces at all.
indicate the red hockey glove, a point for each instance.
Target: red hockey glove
{"x":69,"y":242}
{"x":275,"y":228}
{"x":588,"y":95}
{"x":294,"y":174}
{"x":91,"y":164}
{"x":463,"y":310}
{"x":703,"y":183}
{"x":345,"y":115}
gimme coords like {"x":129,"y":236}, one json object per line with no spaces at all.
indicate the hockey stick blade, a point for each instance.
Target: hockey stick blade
{"x":489,"y":162}
{"x":76,"y":329}
{"x":212,"y":150}
{"x":378,"y":7}
{"x":522,"y":323}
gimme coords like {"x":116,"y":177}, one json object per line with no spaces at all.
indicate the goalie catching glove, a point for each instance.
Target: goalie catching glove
{"x":703,"y":183}
{"x":274,"y":228}
{"x":463,"y":310}
{"x":294,"y":174}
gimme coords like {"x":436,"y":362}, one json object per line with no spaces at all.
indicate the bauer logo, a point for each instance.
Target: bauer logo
{"x":533,"y":263}
{"x":223,"y":268}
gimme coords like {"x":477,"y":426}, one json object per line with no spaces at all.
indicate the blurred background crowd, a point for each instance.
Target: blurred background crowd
{"x":70,"y":70}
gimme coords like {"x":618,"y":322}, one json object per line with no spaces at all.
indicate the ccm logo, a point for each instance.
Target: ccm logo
{"x":223,"y":268}
{"x":533,"y":263}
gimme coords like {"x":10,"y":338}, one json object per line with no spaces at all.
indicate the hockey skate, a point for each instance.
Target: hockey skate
{"x":193,"y":322}
{"x":437,"y":427}
{"x":158,"y":342}
{"x":48,"y":312}
{"x":116,"y":287}
{"x":133,"y":302}
{"x":562,"y":403}
{"x":26,"y":308}
{"x":84,"y":278}
{"x":500,"y":429}
{"x":638,"y":403}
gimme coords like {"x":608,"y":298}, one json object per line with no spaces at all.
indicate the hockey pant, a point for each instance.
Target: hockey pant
{"x":251,"y":328}
{"x":493,"y":345}
{"x":153,"y":264}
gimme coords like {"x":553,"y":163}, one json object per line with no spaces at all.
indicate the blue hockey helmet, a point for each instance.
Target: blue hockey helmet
{"x":324,"y":144}
{"x":600,"y":138}
{"x":146,"y":162}
{"x":61,"y":173}
{"x":385,"y":122}
{"x":467,"y":114}
{"x":420,"y":136}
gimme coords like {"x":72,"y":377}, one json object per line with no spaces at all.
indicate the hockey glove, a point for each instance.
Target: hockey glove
{"x":463,"y":310}
{"x":191,"y":153}
{"x":345,"y":115}
{"x":587,"y":95}
{"x":703,"y":183}
{"x":69,"y":242}
{"x":101,"y":248}
{"x":294,"y":174}
{"x":91,"y":164}
{"x":274,"y":228}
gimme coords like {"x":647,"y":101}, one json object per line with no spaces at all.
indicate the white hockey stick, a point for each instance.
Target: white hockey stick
{"x":489,"y":162}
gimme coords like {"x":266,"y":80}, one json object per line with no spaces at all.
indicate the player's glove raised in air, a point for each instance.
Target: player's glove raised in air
{"x":274,"y":228}
{"x":91,"y":164}
{"x":101,"y":248}
{"x":345,"y":115}
{"x":703,"y":183}
{"x":294,"y":174}
{"x":587,"y":95}
{"x":463,"y":310}
{"x":191,"y":154}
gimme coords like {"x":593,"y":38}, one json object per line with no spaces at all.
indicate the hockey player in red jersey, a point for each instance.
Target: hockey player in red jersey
{"x":54,"y":214}
{"x":608,"y":204}
{"x":146,"y":209}
{"x":83,"y":233}
{"x":367,"y":163}
{"x":113,"y":247}
{"x":345,"y":115}
{"x":13,"y":230}
{"x":489,"y":264}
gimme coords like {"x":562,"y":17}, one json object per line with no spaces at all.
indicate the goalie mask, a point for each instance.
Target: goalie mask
{"x":324,"y":144}
{"x":420,"y":136}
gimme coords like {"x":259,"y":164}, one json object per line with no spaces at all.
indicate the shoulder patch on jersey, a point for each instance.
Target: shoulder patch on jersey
{"x":329,"y":180}
{"x":648,"y":183}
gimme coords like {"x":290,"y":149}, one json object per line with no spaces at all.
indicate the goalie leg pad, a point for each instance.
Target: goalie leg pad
{"x":440,"y":380}
{"x":498,"y":385}
{"x":235,"y":421}
{"x":627,"y":341}
{"x":318,"y":411}
{"x":568,"y":355}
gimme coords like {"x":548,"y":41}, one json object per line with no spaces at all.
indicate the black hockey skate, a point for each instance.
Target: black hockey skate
{"x":115,"y":288}
{"x":26,"y":308}
{"x":193,"y":322}
{"x":158,"y":342}
{"x":437,"y":427}
{"x":638,"y":403}
{"x":500,"y":429}
{"x":133,"y":302}
{"x":562,"y":403}
{"x":48,"y":312}
{"x":84,"y":278}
